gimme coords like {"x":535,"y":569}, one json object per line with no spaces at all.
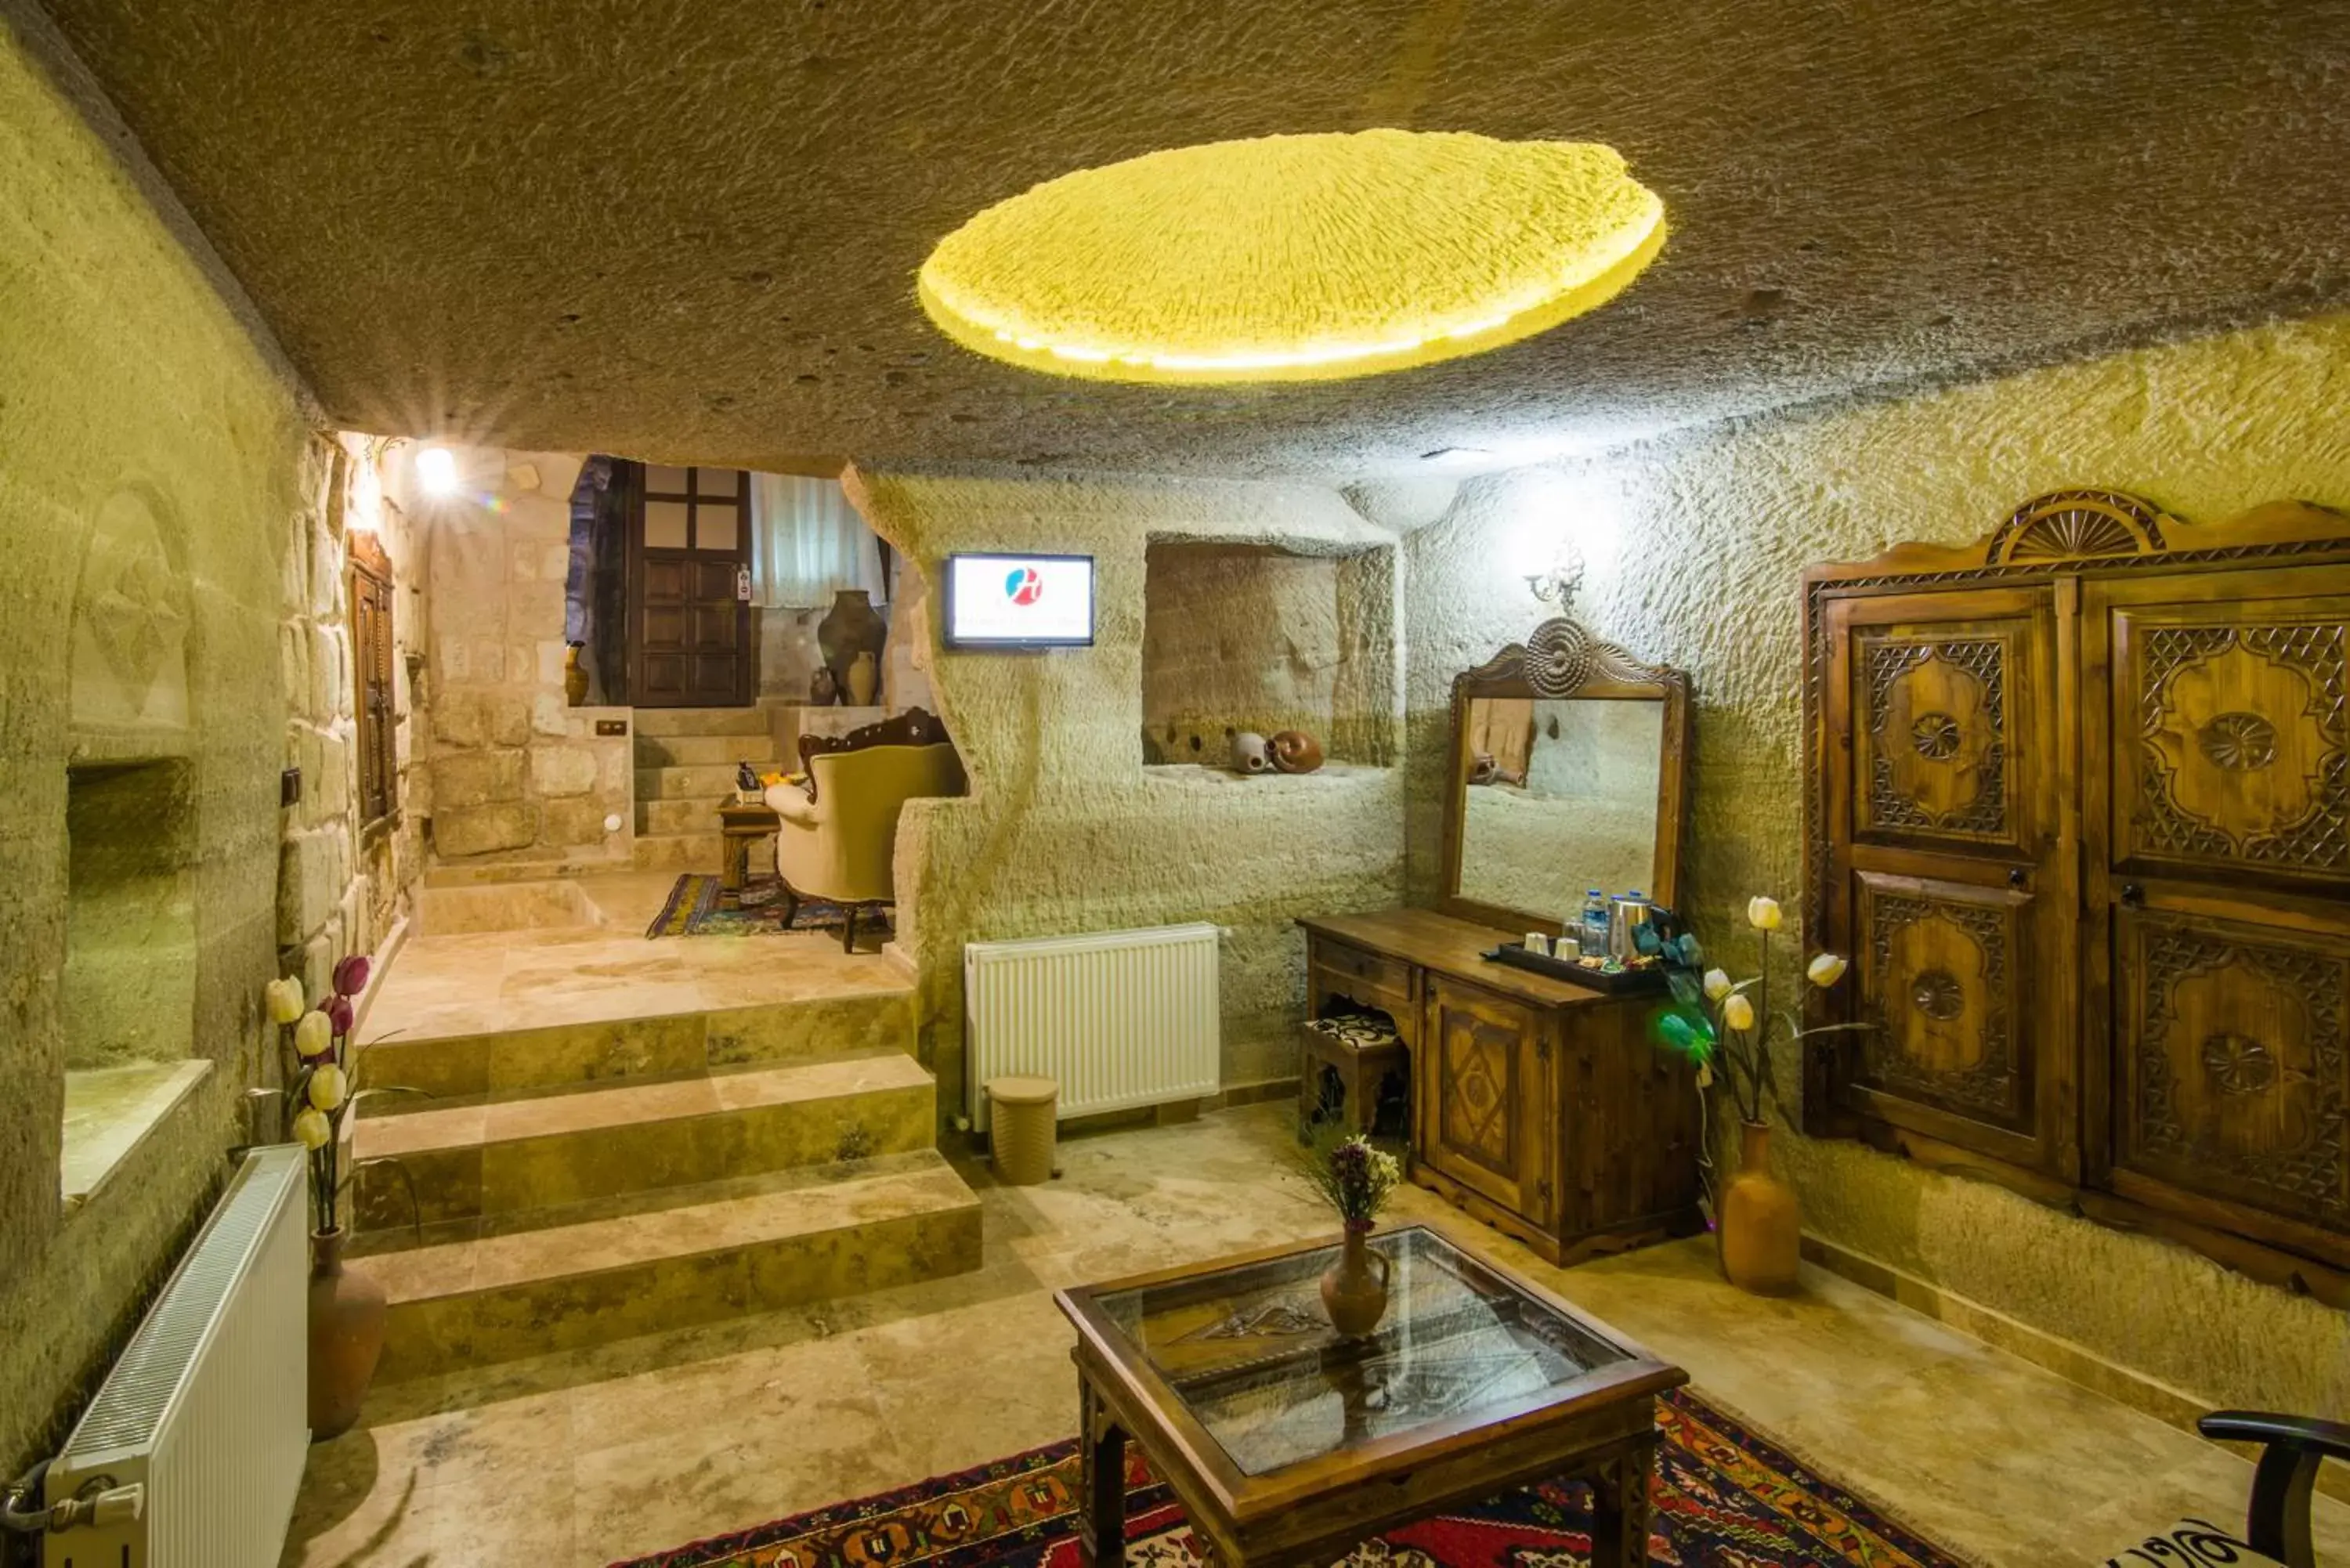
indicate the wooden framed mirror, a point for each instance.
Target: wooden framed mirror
{"x":1569,"y":770}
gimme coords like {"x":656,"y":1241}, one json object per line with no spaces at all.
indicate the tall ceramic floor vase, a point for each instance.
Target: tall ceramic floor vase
{"x":346,"y":1323}
{"x":1355,"y":1288}
{"x":851,"y":627}
{"x":1761,"y":1228}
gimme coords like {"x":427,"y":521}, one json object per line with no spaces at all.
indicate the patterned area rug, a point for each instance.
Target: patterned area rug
{"x":1724,"y":1499}
{"x":692,"y":911}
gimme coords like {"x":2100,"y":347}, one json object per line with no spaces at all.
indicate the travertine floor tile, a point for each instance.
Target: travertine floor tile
{"x":676,"y":1437}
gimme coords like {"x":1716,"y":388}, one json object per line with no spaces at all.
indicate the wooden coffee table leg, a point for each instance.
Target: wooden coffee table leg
{"x":1101,"y":1452}
{"x":1619,"y":1509}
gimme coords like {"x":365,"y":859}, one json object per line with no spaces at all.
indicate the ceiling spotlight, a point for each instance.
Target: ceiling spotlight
{"x":1289,"y":258}
{"x":436,"y":471}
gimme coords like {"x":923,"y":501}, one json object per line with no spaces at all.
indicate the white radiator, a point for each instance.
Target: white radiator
{"x":1119,"y":1019}
{"x":205,"y":1413}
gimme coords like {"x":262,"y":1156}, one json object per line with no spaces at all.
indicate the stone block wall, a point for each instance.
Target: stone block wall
{"x":344,"y":885}
{"x":516,"y":774}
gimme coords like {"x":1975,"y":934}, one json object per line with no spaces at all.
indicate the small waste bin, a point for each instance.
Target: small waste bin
{"x":1021,"y":1112}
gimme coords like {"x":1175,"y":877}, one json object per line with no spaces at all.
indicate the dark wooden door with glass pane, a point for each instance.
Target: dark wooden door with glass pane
{"x":689,"y":616}
{"x":1951,"y":867}
{"x":2219,"y":862}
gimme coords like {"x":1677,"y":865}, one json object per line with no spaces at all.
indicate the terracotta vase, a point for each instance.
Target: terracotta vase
{"x":346,"y":1323}
{"x":864,"y":680}
{"x":1355,"y":1288}
{"x":851,"y":627}
{"x":1761,"y":1228}
{"x":1296,"y":751}
{"x":575,"y":677}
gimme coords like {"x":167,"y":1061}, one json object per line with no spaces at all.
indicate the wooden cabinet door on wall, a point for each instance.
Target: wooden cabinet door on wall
{"x":2217,"y":839}
{"x":1482,"y":1095}
{"x":1950,"y":876}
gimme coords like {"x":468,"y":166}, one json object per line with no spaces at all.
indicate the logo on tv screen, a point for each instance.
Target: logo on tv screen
{"x":1022,"y":585}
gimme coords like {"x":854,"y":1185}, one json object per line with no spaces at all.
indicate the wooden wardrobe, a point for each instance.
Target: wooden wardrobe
{"x":2077,"y":807}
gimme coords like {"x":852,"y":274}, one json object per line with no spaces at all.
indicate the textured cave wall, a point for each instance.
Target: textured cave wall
{"x":1247,"y":636}
{"x":1065,"y":830}
{"x":1694,"y":546}
{"x":155,"y":460}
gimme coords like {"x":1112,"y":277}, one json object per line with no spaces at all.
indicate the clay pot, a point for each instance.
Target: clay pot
{"x":823,"y":692}
{"x":1355,"y":1288}
{"x":346,"y":1322}
{"x":1250,"y":755}
{"x":1761,"y":1226}
{"x":1296,"y":751}
{"x":851,"y":627}
{"x":575,"y":677}
{"x":864,"y":680}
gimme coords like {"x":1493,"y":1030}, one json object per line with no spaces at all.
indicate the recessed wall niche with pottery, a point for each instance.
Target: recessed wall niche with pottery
{"x":850,"y":628}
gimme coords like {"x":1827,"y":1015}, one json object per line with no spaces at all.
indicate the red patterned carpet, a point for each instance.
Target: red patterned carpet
{"x":1724,"y":1499}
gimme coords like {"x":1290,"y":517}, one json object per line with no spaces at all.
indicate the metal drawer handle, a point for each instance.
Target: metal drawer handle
{"x":2132,"y":896}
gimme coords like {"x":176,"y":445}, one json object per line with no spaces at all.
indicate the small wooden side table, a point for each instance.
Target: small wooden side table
{"x":1288,"y":1446}
{"x":742,"y":824}
{"x":1362,"y":1072}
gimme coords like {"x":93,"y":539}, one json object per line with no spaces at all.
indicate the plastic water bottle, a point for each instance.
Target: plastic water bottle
{"x":1594,"y":921}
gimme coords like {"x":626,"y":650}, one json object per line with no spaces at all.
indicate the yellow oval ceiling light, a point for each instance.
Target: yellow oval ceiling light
{"x":1294,"y":257}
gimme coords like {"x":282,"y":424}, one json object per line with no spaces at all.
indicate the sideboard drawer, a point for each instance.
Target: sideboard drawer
{"x":1367,"y":979}
{"x":1391,"y":975}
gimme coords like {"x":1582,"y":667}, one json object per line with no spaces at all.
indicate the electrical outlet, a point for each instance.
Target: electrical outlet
{"x":611,"y":726}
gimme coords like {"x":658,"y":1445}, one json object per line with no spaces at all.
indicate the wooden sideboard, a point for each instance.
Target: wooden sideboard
{"x":1538,"y":1106}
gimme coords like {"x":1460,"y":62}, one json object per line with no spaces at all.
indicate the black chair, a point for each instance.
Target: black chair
{"x":2276,"y":1526}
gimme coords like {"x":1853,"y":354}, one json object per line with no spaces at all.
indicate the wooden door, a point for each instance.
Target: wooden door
{"x":371,"y":656}
{"x":1484,"y":1096}
{"x":1952,"y":882}
{"x":2219,"y":891}
{"x":688,"y":613}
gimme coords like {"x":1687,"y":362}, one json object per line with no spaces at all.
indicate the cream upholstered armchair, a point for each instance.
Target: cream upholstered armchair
{"x":839,"y":828}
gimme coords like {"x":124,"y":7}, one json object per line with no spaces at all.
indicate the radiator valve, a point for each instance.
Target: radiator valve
{"x":96,"y":1501}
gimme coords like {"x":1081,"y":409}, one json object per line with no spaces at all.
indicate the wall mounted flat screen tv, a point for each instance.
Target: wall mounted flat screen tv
{"x":1020,"y":601}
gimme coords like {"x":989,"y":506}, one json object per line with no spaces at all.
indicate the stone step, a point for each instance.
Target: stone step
{"x":679,"y":852}
{"x":694,"y":781}
{"x":702,"y":751}
{"x":613,"y":1271}
{"x":462,"y":1070}
{"x":702,"y":722}
{"x":467,"y":1162}
{"x":690,"y":814}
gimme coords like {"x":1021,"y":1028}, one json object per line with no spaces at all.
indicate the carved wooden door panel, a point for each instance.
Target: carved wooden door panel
{"x":2219,"y":850}
{"x":1950,"y":884}
{"x":1482,"y":1095}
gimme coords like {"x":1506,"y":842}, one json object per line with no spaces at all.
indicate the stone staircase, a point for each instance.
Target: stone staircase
{"x":574,"y":1185}
{"x":686,"y":759}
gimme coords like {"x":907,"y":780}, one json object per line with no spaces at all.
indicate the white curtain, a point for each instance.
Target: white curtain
{"x":811,"y":542}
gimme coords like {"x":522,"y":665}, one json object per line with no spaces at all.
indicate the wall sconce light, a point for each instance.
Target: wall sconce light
{"x":1559,"y":584}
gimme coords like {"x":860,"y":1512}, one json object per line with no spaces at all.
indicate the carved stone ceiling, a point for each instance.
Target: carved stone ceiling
{"x":689,"y":228}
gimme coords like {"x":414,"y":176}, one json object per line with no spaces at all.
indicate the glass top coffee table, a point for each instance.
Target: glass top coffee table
{"x":1287,"y":1443}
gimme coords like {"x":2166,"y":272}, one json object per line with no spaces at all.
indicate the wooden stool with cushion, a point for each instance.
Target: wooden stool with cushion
{"x":2276,"y":1526}
{"x":1359,"y":1053}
